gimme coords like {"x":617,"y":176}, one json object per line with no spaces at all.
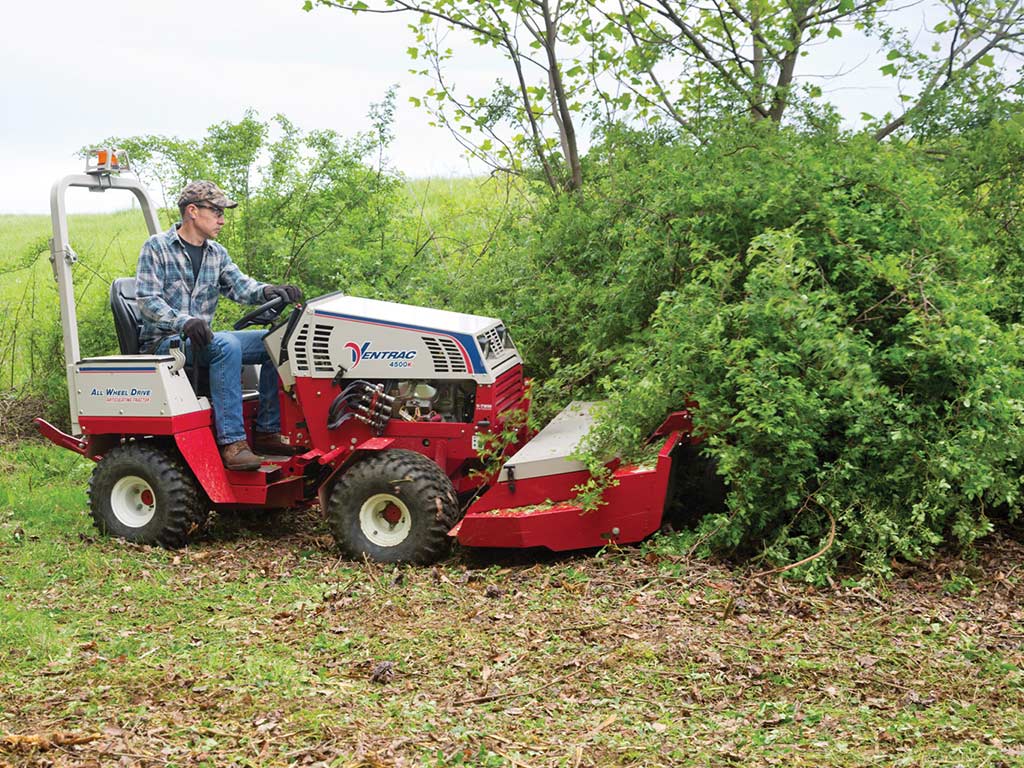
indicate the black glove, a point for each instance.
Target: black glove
{"x":198,"y":332}
{"x":290,"y":293}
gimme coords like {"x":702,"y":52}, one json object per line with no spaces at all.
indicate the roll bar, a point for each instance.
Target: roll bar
{"x":102,"y":168}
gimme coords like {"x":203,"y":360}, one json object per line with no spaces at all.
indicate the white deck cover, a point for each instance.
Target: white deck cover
{"x":549,"y":451}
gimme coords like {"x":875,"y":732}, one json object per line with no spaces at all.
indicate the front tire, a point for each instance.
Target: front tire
{"x":143,"y":494}
{"x":393,"y":507}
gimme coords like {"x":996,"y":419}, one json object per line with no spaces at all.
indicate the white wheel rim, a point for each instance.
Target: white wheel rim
{"x":385,"y":520}
{"x":133,"y":501}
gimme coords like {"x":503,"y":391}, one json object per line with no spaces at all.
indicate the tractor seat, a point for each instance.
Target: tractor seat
{"x":128,"y":324}
{"x":127,"y":320}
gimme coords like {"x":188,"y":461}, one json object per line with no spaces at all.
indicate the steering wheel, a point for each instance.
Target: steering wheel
{"x":264,"y":314}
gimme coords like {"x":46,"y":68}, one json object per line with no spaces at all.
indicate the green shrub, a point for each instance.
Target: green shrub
{"x":826,"y":302}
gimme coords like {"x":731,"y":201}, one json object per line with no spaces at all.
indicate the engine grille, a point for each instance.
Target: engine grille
{"x":446,"y":355}
{"x":508,"y":389}
{"x":496,"y":341}
{"x":322,"y":348}
{"x":315,"y":346}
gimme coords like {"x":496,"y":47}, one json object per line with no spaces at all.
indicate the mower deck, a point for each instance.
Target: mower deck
{"x":532,"y":504}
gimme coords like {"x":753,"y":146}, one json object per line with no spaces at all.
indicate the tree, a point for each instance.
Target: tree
{"x":689,"y":58}
{"x":536,"y":102}
{"x":724,"y":53}
{"x":961,"y":65}
{"x":691,"y":63}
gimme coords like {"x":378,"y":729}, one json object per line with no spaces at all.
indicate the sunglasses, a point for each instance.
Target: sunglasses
{"x":218,"y":212}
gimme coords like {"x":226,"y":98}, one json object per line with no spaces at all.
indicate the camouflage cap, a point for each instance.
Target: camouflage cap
{"x":205,"y":192}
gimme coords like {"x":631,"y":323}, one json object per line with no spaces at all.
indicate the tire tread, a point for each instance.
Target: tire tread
{"x":426,"y":481}
{"x":185,"y":510}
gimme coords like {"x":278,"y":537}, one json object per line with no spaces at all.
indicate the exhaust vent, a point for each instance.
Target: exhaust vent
{"x":447,"y":356}
{"x":495,"y":341}
{"x":322,"y":348}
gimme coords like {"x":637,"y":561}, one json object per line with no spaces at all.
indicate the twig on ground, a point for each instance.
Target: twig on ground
{"x":132,"y":756}
{"x":578,"y":628}
{"x":806,"y":560}
{"x":517,"y":694}
{"x":512,"y":760}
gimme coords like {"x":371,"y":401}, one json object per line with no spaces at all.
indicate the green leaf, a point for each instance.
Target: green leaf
{"x":890,"y":69}
{"x":987,"y":60}
{"x":414,"y":53}
{"x":834,"y":32}
{"x":893,"y":55}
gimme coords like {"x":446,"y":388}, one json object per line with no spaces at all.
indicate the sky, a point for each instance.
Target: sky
{"x":79,"y":72}
{"x":73,"y":73}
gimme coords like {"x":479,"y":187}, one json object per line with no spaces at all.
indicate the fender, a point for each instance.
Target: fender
{"x":356,"y":453}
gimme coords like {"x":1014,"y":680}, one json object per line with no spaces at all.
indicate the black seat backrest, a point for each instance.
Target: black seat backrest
{"x":127,"y":319}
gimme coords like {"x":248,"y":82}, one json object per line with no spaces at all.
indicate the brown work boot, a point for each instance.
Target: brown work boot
{"x":237,"y":456}
{"x":273,"y":444}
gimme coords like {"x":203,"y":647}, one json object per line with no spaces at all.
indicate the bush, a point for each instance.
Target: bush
{"x":828,"y":304}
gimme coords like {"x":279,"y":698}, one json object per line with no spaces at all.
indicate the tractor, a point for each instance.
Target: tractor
{"x":409,"y":424}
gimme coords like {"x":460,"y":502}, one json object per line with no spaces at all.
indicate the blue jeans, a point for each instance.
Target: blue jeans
{"x":225,"y":356}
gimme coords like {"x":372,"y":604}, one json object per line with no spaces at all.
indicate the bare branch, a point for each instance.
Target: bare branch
{"x":404,"y":7}
{"x":649,"y":71}
{"x":560,"y":105}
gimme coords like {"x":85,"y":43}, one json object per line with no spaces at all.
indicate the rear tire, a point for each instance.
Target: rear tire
{"x":695,"y":488}
{"x":143,"y":494}
{"x":393,"y":507}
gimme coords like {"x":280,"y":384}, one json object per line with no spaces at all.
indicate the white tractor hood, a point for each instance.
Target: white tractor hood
{"x":373,"y":339}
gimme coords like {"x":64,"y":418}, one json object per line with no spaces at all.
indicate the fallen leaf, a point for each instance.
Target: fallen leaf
{"x":44,"y":742}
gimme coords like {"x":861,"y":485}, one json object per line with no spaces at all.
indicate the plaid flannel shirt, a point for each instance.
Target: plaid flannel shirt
{"x":168,"y":295}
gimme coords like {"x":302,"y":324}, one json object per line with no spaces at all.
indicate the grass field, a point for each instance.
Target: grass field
{"x":258,"y":646}
{"x":107,"y":246}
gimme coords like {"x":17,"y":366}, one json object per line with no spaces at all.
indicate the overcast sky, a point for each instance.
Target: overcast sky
{"x":73,"y":72}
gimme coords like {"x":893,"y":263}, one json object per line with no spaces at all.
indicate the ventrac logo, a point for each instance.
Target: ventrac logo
{"x":395,"y":358}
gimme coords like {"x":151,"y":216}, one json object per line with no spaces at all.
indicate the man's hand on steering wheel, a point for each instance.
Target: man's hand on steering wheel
{"x":277,"y":298}
{"x":289,"y":293}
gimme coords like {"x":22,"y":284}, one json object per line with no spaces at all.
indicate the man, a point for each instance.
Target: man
{"x":180,"y":277}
